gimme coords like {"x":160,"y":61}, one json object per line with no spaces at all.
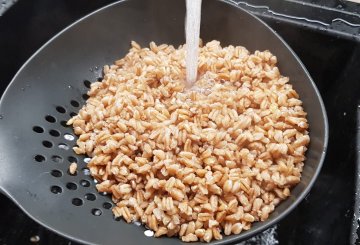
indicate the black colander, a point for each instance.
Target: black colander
{"x":36,"y":145}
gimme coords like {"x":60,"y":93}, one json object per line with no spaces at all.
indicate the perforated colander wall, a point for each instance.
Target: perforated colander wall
{"x":56,"y":134}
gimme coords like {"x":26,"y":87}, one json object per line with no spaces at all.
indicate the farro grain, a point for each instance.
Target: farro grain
{"x":72,"y":168}
{"x":193,"y":163}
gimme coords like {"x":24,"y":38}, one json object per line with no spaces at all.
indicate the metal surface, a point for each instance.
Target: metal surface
{"x":335,"y":18}
{"x":45,"y":86}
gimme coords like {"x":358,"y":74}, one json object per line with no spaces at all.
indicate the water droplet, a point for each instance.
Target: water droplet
{"x":1,"y":116}
{"x":148,"y":233}
{"x":91,"y":69}
{"x":96,"y":68}
{"x":69,"y":137}
{"x":70,"y":87}
{"x":86,"y":171}
{"x":96,"y":212}
{"x":95,"y":181}
{"x":34,"y":239}
{"x":87,"y":159}
{"x":63,"y":146}
{"x":137,"y":223}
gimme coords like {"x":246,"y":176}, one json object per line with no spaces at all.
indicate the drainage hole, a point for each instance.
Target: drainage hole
{"x":56,"y":173}
{"x":77,"y":201}
{"x":85,"y":96}
{"x":69,"y":137}
{"x":60,"y":109}
{"x":72,"y":159}
{"x":50,"y":119}
{"x":71,"y":186}
{"x":90,"y":197}
{"x":54,"y":133}
{"x":107,"y":205}
{"x":57,"y":158}
{"x":84,"y":183}
{"x":47,"y":144}
{"x":56,"y":189}
{"x":96,"y":212}
{"x":63,"y":146}
{"x":39,"y":158}
{"x":87,"y":83}
{"x":63,"y":123}
{"x":74,"y":103}
{"x":86,"y":171}
{"x":38,"y":129}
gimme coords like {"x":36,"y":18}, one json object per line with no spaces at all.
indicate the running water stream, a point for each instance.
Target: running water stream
{"x":192,"y":30}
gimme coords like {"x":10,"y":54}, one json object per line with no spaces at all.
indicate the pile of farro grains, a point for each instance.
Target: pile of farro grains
{"x":199,"y":162}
